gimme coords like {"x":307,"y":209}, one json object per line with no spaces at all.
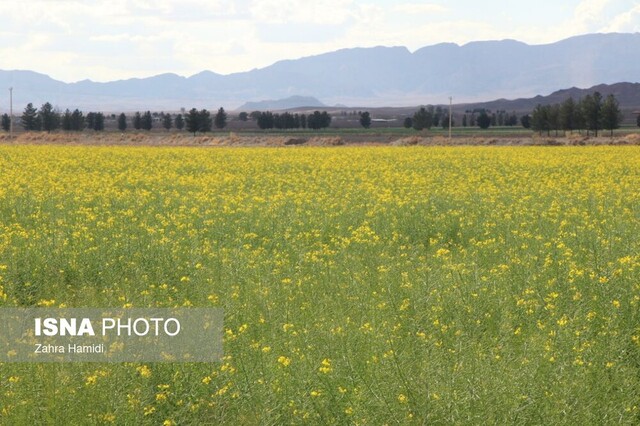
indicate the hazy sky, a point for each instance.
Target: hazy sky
{"x":105,"y":40}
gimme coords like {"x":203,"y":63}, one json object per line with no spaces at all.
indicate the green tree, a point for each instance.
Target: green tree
{"x":365,"y":119}
{"x":204,"y":121}
{"x":325,"y":119}
{"x":49,"y":118}
{"x":484,"y":120}
{"x":30,"y":120}
{"x":313,"y":121}
{"x":137,"y":121}
{"x":540,"y":119}
{"x":99,"y":123}
{"x":464,"y":120}
{"x":525,"y":120}
{"x":423,"y":118}
{"x":554,"y":118}
{"x":220,"y":119}
{"x":611,"y":114}
{"x":407,"y":123}
{"x":285,"y":121}
{"x":167,"y":122}
{"x":265,"y":120}
{"x":179,"y":122}
{"x":591,"y":106}
{"x":147,"y":121}
{"x":278,"y":121}
{"x":91,"y":120}
{"x":243,"y":116}
{"x":580,"y":122}
{"x":638,"y":120}
{"x":568,"y":115}
{"x":77,"y":120}
{"x":122,"y":122}
{"x":319,"y":120}
{"x":6,"y":122}
{"x":66,"y":120}
{"x":95,"y":121}
{"x":445,"y":121}
{"x":192,"y":121}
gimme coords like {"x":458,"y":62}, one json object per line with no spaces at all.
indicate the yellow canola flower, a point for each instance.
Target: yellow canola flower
{"x":325,"y":367}
{"x":144,"y":371}
{"x":284,"y":361}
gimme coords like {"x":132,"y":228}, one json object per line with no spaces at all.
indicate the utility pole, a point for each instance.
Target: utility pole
{"x":450,"y":116}
{"x":10,"y":112}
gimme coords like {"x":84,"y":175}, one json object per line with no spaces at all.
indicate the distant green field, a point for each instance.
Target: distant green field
{"x":504,"y":131}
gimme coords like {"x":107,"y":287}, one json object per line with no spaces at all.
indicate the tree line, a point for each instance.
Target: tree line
{"x":48,"y":119}
{"x":430,"y":116}
{"x":590,"y":113}
{"x":268,"y":120}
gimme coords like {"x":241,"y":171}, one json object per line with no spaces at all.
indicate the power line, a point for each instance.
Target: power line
{"x":10,"y":112}
{"x":450,"y":116}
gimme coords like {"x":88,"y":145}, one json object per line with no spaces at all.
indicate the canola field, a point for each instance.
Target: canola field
{"x":365,"y":285}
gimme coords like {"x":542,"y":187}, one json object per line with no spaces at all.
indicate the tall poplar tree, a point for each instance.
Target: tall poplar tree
{"x":147,"y":121}
{"x":192,"y":121}
{"x":122,"y":122}
{"x":591,"y":106}
{"x":220,"y":119}
{"x":48,"y":117}
{"x":6,"y":122}
{"x":365,"y":119}
{"x":167,"y":121}
{"x":204,"y":121}
{"x":611,"y":114}
{"x":137,"y":121}
{"x":29,"y":119}
{"x":179,"y":122}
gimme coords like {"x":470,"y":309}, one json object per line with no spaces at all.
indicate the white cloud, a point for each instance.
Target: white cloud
{"x":190,"y":10}
{"x":301,"y":11}
{"x":369,"y":16}
{"x":422,"y":8}
{"x":625,"y":22}
{"x":587,"y":14}
{"x":111,"y":38}
{"x":415,"y":37}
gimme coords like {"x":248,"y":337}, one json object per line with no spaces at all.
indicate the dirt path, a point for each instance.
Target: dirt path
{"x":233,"y":139}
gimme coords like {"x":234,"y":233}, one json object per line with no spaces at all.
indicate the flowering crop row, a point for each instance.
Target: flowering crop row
{"x":360,"y":285}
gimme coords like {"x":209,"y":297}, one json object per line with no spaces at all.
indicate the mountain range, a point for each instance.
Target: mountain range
{"x":627,"y":95}
{"x":376,"y":76}
{"x":281,"y":104}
